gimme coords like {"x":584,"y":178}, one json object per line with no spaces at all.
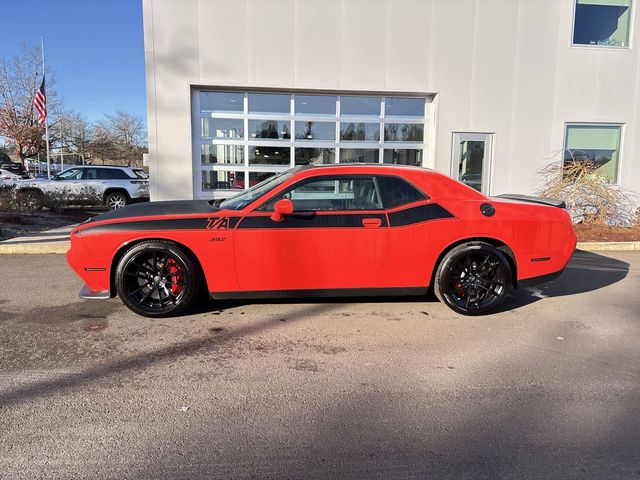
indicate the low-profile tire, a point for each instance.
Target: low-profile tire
{"x":157,"y":279}
{"x":116,"y":200}
{"x":473,"y":278}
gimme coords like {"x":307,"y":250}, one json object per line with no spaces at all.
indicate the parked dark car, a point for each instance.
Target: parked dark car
{"x":16,"y":168}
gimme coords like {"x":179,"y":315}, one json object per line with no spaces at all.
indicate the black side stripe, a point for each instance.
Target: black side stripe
{"x":351,"y":220}
{"x":422,"y":213}
{"x":200,"y":223}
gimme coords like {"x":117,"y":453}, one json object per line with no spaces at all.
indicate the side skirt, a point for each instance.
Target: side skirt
{"x":322,"y":293}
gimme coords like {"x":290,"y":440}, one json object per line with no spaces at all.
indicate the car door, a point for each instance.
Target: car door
{"x":92,"y":185}
{"x":414,"y":221}
{"x":335,"y":238}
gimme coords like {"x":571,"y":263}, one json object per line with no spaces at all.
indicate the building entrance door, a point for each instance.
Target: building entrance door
{"x":472,"y":159}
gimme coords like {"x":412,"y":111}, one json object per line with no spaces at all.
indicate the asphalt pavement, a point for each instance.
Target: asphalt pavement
{"x":547,"y":388}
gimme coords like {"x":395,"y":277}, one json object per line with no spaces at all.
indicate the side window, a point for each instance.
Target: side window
{"x":332,"y":193}
{"x":113,"y":174}
{"x":395,"y":192}
{"x":90,"y":174}
{"x":72,"y":174}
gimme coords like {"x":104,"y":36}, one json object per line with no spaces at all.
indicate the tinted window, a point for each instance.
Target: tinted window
{"x":113,"y":174}
{"x":332,"y":193}
{"x":90,"y":174}
{"x":396,"y":191}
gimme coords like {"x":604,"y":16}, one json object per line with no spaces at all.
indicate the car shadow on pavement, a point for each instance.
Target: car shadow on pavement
{"x":586,"y":272}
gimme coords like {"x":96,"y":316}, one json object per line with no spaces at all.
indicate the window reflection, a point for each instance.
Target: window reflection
{"x":315,"y":104}
{"x":222,"y":154}
{"x":315,"y":156}
{"x":359,"y":155}
{"x":403,"y":132}
{"x":351,"y":105}
{"x":222,"y":180}
{"x":232,"y":128}
{"x":360,"y":132}
{"x":269,"y":155}
{"x":404,"y":107}
{"x":602,"y":22}
{"x":221,"y":102}
{"x":403,"y":156}
{"x":272,"y":129}
{"x":269,"y":103}
{"x":316,"y":131}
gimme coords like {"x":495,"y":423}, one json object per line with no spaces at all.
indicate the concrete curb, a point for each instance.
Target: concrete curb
{"x":21,"y":249}
{"x":609,"y":246}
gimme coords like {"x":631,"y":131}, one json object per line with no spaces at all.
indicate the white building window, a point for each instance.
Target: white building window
{"x":595,"y":144}
{"x":241,"y":138}
{"x":602,"y":23}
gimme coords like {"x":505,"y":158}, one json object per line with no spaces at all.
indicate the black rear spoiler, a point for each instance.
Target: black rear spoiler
{"x":553,"y":202}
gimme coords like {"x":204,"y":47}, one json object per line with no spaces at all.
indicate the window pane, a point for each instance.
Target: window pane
{"x":269,"y":155}
{"x":316,"y":104}
{"x":395,"y":192}
{"x":360,"y":132}
{"x":339,"y":193}
{"x":404,"y":107}
{"x":222,"y":154}
{"x":599,"y":145}
{"x":273,"y":129}
{"x":602,"y":22}
{"x":403,"y":156}
{"x":222,"y":180}
{"x":256,"y":177}
{"x":269,"y":103}
{"x":109,"y":174}
{"x":359,"y":155}
{"x":316,"y":131}
{"x":315,"y":156}
{"x":221,"y":102}
{"x":360,"y":105}
{"x":231,"y":128}
{"x":403,"y":132}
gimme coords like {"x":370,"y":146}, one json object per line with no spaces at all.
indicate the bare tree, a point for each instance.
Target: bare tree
{"x":75,"y":134}
{"x":120,"y":138}
{"x":19,"y":79}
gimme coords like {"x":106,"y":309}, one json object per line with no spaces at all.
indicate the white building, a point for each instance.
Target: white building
{"x":488,"y":91}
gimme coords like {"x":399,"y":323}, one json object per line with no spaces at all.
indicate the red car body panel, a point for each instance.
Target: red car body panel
{"x":246,"y":251}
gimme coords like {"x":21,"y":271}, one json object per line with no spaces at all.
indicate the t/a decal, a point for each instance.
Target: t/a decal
{"x":218,"y":223}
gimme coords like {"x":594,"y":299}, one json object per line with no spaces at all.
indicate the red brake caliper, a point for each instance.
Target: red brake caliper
{"x":173,"y":268}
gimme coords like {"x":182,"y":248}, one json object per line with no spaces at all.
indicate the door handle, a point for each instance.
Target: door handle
{"x":371,"y":222}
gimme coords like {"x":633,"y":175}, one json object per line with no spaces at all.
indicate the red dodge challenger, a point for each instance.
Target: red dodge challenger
{"x":332,"y":230}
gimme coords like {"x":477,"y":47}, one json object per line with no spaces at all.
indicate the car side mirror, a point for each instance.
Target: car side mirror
{"x":281,"y":208}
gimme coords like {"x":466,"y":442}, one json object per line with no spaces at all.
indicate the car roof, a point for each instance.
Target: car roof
{"x":374,"y":165}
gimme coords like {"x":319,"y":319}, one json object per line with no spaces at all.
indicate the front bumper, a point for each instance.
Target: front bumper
{"x":89,"y":294}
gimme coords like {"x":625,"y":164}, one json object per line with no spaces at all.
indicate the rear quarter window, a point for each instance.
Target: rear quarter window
{"x":396,"y":191}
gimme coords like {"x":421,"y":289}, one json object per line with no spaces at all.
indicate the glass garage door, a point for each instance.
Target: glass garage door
{"x":241,"y":138}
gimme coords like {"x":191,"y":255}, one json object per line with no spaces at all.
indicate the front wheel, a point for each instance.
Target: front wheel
{"x":473,"y":278}
{"x":157,"y":279}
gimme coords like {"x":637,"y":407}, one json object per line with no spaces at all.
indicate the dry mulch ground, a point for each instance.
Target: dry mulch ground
{"x":604,"y":233}
{"x":14,"y":224}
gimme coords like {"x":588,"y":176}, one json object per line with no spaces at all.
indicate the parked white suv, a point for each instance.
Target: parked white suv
{"x":114,"y":187}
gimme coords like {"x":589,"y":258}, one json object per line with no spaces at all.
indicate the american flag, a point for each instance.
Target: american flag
{"x":40,"y":102}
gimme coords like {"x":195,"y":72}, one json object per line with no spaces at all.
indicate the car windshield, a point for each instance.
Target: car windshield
{"x":238,"y":202}
{"x":71,"y":174}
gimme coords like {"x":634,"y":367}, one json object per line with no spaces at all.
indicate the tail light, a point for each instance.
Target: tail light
{"x":139,"y":182}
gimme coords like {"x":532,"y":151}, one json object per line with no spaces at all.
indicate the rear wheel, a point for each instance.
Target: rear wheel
{"x":473,"y":278}
{"x":116,"y":200}
{"x":157,"y":279}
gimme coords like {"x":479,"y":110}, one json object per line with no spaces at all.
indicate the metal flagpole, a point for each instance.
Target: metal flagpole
{"x":46,"y":117}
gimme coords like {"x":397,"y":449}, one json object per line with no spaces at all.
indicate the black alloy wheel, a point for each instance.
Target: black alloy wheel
{"x":473,"y":278}
{"x":157,"y":279}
